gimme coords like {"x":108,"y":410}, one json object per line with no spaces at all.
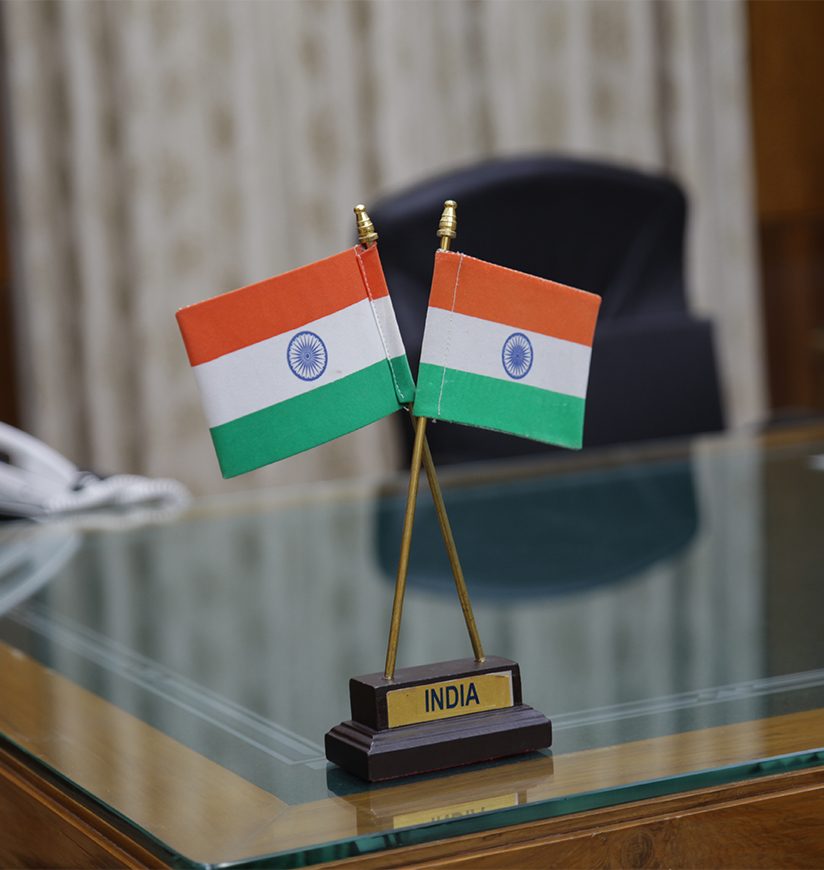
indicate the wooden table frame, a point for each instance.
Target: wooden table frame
{"x":219,"y":816}
{"x":209,"y":814}
{"x":769,"y":822}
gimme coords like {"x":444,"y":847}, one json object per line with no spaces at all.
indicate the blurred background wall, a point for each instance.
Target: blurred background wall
{"x":161,"y":152}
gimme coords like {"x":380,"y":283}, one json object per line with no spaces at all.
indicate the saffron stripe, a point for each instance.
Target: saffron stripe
{"x":305,"y":421}
{"x":527,"y":302}
{"x":371,"y":262}
{"x":513,"y":407}
{"x":259,"y":311}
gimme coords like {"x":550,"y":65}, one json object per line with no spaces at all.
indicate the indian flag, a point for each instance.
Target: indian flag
{"x":297,"y":360}
{"x":506,"y":351}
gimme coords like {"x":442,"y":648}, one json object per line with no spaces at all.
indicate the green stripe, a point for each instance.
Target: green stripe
{"x":305,"y":421}
{"x":404,"y":382}
{"x":491,"y":403}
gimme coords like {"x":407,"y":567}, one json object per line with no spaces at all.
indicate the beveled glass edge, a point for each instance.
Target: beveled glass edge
{"x":353,"y":847}
{"x":558,"y":806}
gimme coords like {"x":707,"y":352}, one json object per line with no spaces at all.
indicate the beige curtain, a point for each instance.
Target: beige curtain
{"x":165,"y":151}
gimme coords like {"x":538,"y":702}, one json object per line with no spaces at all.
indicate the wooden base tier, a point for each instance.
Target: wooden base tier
{"x":376,"y":755}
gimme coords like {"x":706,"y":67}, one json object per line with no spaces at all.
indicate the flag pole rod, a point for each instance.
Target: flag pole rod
{"x":422,"y":454}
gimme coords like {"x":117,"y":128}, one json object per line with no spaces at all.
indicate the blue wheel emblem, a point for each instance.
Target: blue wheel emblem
{"x":307,"y":356}
{"x":516,"y":355}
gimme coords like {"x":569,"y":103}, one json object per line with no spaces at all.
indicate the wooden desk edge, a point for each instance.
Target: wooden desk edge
{"x":45,"y":823}
{"x":221,"y":817}
{"x":774,"y":821}
{"x":763,"y":822}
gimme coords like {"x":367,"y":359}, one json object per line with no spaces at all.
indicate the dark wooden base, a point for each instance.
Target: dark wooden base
{"x":395,"y":752}
{"x":399,"y":727}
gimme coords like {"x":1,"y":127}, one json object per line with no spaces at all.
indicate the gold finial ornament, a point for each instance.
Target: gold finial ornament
{"x":448,"y":224}
{"x":366,"y":229}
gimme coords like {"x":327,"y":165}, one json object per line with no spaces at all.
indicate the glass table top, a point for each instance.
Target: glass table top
{"x":664,"y":603}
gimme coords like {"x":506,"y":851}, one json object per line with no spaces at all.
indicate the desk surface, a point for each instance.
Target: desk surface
{"x":664,"y":603}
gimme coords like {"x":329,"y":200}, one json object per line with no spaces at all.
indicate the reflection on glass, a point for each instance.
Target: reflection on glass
{"x":551,"y":534}
{"x":29,"y":559}
{"x":640,"y":600}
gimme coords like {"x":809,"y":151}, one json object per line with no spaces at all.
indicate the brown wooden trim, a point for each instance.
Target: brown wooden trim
{"x":762,"y":823}
{"x":43,"y":825}
{"x":192,"y":804}
{"x":786,"y":68}
{"x":774,"y":821}
{"x":792,"y":262}
{"x":209,"y":814}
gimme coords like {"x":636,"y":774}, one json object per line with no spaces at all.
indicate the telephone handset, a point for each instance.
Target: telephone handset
{"x":36,"y":481}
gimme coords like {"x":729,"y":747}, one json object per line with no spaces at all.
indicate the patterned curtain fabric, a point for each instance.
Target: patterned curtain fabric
{"x":166,"y":151}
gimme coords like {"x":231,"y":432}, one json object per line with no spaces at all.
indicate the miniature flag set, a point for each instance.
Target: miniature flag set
{"x":297,"y":360}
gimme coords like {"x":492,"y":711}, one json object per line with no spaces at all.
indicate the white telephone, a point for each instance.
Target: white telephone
{"x":39,"y":482}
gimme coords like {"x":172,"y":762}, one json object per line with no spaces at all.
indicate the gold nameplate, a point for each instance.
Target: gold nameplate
{"x":449,"y":698}
{"x":455,"y":811}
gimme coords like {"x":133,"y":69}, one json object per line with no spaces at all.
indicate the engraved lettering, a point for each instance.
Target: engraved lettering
{"x":430,"y":701}
{"x":472,"y":695}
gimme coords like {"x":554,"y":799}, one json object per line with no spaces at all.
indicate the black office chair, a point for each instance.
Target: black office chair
{"x":610,"y":230}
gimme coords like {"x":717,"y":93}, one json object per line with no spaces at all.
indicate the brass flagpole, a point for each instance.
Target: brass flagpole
{"x":422,"y":455}
{"x":461,"y":711}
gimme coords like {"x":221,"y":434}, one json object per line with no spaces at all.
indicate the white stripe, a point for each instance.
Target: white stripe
{"x":258,"y":375}
{"x":386,"y":323}
{"x":475,"y":345}
{"x":385,"y":314}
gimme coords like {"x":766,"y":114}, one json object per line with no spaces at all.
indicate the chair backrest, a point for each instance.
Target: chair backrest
{"x":607,"y":229}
